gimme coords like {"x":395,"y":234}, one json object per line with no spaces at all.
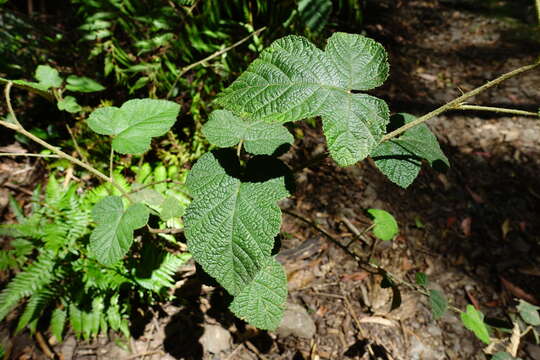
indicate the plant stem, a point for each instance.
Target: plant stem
{"x":16,"y":126}
{"x":496,"y":109}
{"x":29,"y":155}
{"x":457,"y":102}
{"x":537,"y":3}
{"x":111,"y":157}
{"x":216,"y":54}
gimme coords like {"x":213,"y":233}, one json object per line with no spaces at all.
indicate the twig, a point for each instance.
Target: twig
{"x":145,"y":354}
{"x":496,"y":109}
{"x":216,"y":54}
{"x":44,"y":346}
{"x":171,"y":231}
{"x":30,"y":155}
{"x":458,"y":101}
{"x":76,"y":144}
{"x":16,"y":126}
{"x":237,"y":349}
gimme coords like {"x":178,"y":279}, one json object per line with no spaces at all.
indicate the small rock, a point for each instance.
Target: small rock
{"x":296,"y":321}
{"x":420,"y":351}
{"x":215,"y":339}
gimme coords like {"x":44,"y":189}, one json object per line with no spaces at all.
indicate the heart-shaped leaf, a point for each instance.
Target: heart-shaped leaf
{"x":135,"y":123}
{"x":224,"y":129}
{"x":230,"y":227}
{"x":113,"y":235}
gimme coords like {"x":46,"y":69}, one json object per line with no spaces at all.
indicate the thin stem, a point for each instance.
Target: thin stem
{"x":537,"y":2}
{"x":7,"y":91}
{"x":496,"y":109}
{"x":458,"y":101}
{"x":214,"y":55}
{"x":76,"y":144}
{"x":16,"y":126}
{"x":30,"y":155}
{"x":239,"y":148}
{"x":111,"y":157}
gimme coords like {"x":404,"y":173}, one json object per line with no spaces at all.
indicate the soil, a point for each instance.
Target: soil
{"x":473,"y":229}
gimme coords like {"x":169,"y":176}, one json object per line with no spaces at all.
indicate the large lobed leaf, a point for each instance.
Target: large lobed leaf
{"x":113,"y":236}
{"x":400,"y":159}
{"x":230,"y":228}
{"x":293,"y":80}
{"x":224,"y":129}
{"x":134,"y":123}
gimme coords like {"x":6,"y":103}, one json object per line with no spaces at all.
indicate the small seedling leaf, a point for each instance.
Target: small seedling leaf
{"x":474,"y":321}
{"x":135,"y":123}
{"x":224,"y":129}
{"x":438,"y":303}
{"x":385,"y":225}
{"x":113,"y":235}
{"x":529,"y":313}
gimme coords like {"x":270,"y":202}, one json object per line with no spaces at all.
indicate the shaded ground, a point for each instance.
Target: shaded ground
{"x":474,"y":230}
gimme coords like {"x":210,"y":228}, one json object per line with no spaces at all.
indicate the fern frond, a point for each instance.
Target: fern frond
{"x":53,"y":191}
{"x":158,"y":276}
{"x":58,"y":321}
{"x":33,"y":278}
{"x":117,"y":317}
{"x":38,"y":301}
{"x":86,"y":324}
{"x":106,"y":189}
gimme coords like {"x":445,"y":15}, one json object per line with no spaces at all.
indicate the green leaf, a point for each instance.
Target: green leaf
{"x":171,"y":208}
{"x":48,"y":77}
{"x":385,"y":226}
{"x":438,"y":303}
{"x":422,"y":279}
{"x":314,"y":13}
{"x":529,"y":313}
{"x":232,"y":221}
{"x":33,"y":278}
{"x":69,"y":104}
{"x":474,"y":321}
{"x":113,"y":236}
{"x":83,"y":84}
{"x":294,"y":80}
{"x":224,"y":129}
{"x":34,"y":87}
{"x":37,"y":303}
{"x":400,"y":158}
{"x":231,"y":224}
{"x":262,"y":301}
{"x":135,"y":123}
{"x":58,"y":321}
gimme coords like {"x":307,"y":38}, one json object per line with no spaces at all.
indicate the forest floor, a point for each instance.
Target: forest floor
{"x":473,"y":229}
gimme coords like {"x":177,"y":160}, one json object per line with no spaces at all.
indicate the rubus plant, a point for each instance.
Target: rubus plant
{"x":233,"y":217}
